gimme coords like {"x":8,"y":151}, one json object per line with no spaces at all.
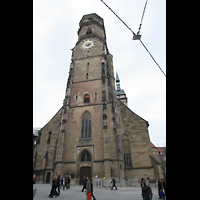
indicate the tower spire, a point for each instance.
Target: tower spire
{"x":120,"y":92}
{"x":118,"y":82}
{"x":117,"y":78}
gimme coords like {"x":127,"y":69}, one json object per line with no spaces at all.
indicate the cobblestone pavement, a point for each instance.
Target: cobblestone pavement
{"x":74,"y":193}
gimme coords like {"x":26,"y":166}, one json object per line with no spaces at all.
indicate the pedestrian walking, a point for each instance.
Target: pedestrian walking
{"x":88,"y":189}
{"x":66,"y":182}
{"x":69,"y":180}
{"x":145,"y":191}
{"x":53,"y":188}
{"x":150,"y":190}
{"x":159,"y":187}
{"x":34,"y":177}
{"x":58,"y":184}
{"x":163,"y":185}
{"x":62,"y":182}
{"x":113,"y":182}
{"x":142,"y":180}
{"x":156,"y":184}
{"x":147,"y":182}
{"x":92,"y":190}
{"x":84,"y":183}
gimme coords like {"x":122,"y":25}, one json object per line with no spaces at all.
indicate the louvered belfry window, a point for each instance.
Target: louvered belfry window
{"x":89,"y":31}
{"x":87,"y":98}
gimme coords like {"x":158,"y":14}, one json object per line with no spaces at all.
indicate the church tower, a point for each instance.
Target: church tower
{"x":90,"y":102}
{"x":94,"y":133}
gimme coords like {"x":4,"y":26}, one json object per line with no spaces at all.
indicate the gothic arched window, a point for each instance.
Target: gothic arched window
{"x":86,"y":126}
{"x":127,"y":152}
{"x":85,"y":157}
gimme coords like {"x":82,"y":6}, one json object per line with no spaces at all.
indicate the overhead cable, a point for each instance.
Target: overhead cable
{"x":142,"y":17}
{"x":135,"y":34}
{"x":152,"y":57}
{"x":119,"y":18}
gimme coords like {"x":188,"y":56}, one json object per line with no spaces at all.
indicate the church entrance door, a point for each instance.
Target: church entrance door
{"x":84,"y":171}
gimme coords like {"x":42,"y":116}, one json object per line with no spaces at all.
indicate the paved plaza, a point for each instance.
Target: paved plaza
{"x":100,"y":193}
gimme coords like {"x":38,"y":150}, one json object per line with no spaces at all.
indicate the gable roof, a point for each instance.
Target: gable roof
{"x":153,"y":146}
{"x":160,"y":149}
{"x":51,"y":119}
{"x":133,"y":112}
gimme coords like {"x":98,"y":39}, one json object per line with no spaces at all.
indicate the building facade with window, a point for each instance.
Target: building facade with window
{"x":94,"y":133}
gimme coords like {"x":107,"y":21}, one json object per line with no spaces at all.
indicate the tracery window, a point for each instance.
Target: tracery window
{"x":86,"y":126}
{"x":85,"y":157}
{"x":127,"y":152}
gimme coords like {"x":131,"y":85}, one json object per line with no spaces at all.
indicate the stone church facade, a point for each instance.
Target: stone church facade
{"x":94,"y":133}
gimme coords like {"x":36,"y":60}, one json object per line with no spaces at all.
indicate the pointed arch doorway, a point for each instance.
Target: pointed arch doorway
{"x":84,"y":171}
{"x":85,"y":165}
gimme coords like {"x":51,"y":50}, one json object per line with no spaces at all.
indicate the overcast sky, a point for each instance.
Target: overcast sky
{"x":55,"y":26}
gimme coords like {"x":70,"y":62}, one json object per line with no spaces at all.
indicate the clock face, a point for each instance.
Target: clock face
{"x":87,"y":44}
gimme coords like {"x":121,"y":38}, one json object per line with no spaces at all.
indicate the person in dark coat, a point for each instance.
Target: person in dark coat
{"x":62,"y":182}
{"x":84,"y":183}
{"x":159,"y":187}
{"x":113,"y":181}
{"x":142,"y":180}
{"x":92,"y":189}
{"x":163,"y":185}
{"x":53,"y":189}
{"x":69,"y":180}
{"x":58,"y":184}
{"x":145,"y":191}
